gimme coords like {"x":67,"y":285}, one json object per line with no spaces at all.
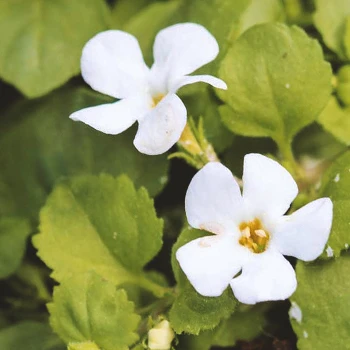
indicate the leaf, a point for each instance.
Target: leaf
{"x":29,"y":336}
{"x":336,"y":120}
{"x":41,"y":144}
{"x":101,"y":224}
{"x":323,"y":296}
{"x":343,"y":85}
{"x":13,"y":235}
{"x":277,"y":82}
{"x":330,"y":20}
{"x":245,"y":324}
{"x":336,"y":184}
{"x":88,"y":308}
{"x":191,"y":312}
{"x":42,"y":40}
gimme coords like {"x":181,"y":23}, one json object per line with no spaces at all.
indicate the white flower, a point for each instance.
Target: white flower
{"x":161,"y":336}
{"x":252,"y":234}
{"x":112,"y":63}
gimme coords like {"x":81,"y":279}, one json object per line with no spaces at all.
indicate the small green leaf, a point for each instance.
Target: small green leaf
{"x":323,"y":296}
{"x":245,"y":324}
{"x":343,"y":84}
{"x":13,"y":235}
{"x":191,"y":312}
{"x":336,"y":120}
{"x":101,"y":224}
{"x":42,"y":40}
{"x":88,"y":308}
{"x":29,"y":336}
{"x":277,"y":82}
{"x":336,"y":184}
{"x":330,"y":20}
{"x":41,"y":144}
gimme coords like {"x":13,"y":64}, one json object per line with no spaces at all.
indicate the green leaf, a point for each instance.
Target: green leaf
{"x":343,"y":85}
{"x":88,"y":308}
{"x":41,"y":144}
{"x":13,"y":235}
{"x":42,"y":40}
{"x":330,"y":20}
{"x":101,"y":224}
{"x":336,"y":120}
{"x":191,"y":312}
{"x":245,"y":324}
{"x":29,"y":336}
{"x":336,"y":184}
{"x":277,"y":82}
{"x":323,"y":296}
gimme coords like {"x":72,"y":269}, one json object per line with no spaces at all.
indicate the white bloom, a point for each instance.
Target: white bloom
{"x":112,"y":63}
{"x":161,"y":336}
{"x":251,"y":232}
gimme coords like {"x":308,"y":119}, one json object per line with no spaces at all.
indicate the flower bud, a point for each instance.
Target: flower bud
{"x":160,"y":336}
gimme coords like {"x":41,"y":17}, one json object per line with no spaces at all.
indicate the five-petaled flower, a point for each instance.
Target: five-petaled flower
{"x":112,"y":63}
{"x":251,"y":231}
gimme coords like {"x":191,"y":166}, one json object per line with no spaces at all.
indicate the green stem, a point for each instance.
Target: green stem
{"x":158,"y":290}
{"x":285,"y":149}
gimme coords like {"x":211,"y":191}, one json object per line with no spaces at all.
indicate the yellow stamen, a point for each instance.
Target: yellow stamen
{"x":254,"y":236}
{"x":156,"y":99}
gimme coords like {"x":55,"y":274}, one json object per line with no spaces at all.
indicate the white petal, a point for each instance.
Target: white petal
{"x":112,"y":63}
{"x":267,"y":276}
{"x":183,"y":48}
{"x":211,"y":262}
{"x":304,"y":234}
{"x":268,"y":188}
{"x":162,"y":127}
{"x":213,"y":200}
{"x":209,"y":79}
{"x":111,"y":118}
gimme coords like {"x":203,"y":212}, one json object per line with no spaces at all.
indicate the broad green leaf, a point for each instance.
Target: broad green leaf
{"x":86,"y":307}
{"x":336,"y":184}
{"x":343,"y":84}
{"x":29,"y":336}
{"x":323,"y":296}
{"x":191,"y":312}
{"x":42,"y":40}
{"x":13,"y":235}
{"x":41,"y":144}
{"x":277,"y":82}
{"x":245,"y":324}
{"x":336,"y":120}
{"x":99,"y":223}
{"x":330,"y":20}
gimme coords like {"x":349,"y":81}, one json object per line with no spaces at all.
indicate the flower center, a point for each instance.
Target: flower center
{"x":254,"y":236}
{"x":156,"y":99}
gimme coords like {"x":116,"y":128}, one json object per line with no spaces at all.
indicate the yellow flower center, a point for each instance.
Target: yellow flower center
{"x":156,"y":99}
{"x":254,"y":236}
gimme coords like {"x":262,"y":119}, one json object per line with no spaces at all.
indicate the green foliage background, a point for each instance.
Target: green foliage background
{"x":89,"y":226}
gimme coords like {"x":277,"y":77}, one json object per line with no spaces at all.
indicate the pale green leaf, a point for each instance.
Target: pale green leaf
{"x":42,"y":40}
{"x":343,"y":84}
{"x":277,"y":82}
{"x":191,"y":312}
{"x":41,"y":144}
{"x":336,"y":120}
{"x":323,"y":296}
{"x":86,"y":307}
{"x":29,"y":336}
{"x":336,"y":184}
{"x":13,"y":235}
{"x":330,"y":20}
{"x":99,"y":223}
